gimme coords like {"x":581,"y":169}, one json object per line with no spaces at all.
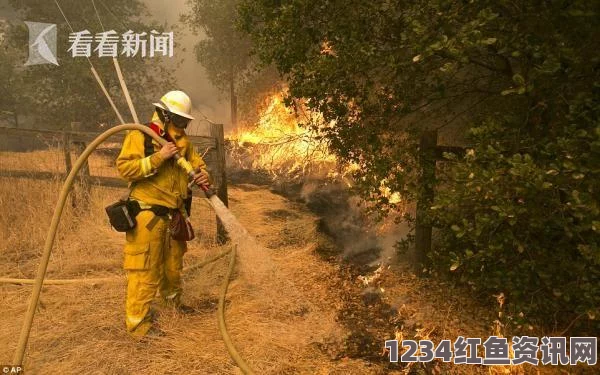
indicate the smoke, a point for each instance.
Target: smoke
{"x":389,"y":235}
{"x":190,"y":75}
{"x":362,"y":241}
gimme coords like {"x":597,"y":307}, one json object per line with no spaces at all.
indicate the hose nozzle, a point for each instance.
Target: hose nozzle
{"x":185,"y":165}
{"x":205,"y":188}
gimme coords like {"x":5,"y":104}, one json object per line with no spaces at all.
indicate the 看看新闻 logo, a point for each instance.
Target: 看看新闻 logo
{"x":42,"y":43}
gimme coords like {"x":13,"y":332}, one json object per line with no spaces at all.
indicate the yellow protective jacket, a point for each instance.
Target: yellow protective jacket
{"x":156,"y":181}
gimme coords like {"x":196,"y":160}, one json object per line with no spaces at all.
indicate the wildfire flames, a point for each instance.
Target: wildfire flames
{"x":279,"y":145}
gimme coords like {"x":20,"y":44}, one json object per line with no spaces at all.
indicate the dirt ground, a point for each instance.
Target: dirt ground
{"x":335,"y":322}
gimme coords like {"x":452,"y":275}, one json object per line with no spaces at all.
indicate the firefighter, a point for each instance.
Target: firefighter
{"x":153,"y":260}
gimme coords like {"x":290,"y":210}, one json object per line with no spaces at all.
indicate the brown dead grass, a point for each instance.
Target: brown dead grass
{"x":79,"y":328}
{"x":279,"y":326}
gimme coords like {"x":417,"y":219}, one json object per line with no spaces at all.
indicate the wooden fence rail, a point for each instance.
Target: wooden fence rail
{"x":201,"y":142}
{"x":73,"y":139}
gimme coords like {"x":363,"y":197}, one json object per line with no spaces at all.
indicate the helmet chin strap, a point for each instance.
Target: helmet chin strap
{"x":168,"y":123}
{"x":166,"y":114}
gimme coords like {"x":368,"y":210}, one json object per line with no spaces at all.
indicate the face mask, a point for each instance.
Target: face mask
{"x":177,"y":134}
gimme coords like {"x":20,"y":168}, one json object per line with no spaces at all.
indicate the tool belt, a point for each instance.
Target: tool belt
{"x":180,"y":226}
{"x":122,"y":217}
{"x":122,"y":213}
{"x":156,"y":209}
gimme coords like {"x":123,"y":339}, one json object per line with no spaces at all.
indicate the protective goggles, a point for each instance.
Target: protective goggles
{"x":179,"y":121}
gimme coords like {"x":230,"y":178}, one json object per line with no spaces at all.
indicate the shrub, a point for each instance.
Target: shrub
{"x":527,"y":223}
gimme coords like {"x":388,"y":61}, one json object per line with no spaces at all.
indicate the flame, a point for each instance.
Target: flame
{"x":280,"y":145}
{"x":392,"y":196}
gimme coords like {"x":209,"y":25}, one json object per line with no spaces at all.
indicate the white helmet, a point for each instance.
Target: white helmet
{"x":176,"y":102}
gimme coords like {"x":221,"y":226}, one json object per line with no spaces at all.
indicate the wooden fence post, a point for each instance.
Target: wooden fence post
{"x":427,"y":161}
{"x":220,"y":175}
{"x":67,"y":151}
{"x":85,"y":175}
{"x":68,"y":162}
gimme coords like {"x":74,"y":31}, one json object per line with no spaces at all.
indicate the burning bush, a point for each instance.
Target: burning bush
{"x":282,"y":144}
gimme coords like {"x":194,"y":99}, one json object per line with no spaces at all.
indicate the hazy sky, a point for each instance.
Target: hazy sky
{"x":190,"y":75}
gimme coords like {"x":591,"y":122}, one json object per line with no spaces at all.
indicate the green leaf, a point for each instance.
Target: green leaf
{"x":569,"y":165}
{"x":455,"y":265}
{"x":518,"y":79}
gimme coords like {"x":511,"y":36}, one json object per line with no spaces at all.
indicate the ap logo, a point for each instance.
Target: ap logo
{"x":42,"y":43}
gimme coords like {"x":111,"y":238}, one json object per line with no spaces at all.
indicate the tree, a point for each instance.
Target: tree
{"x":516,"y":82}
{"x":10,"y":85}
{"x":58,"y":95}
{"x":225,"y":53}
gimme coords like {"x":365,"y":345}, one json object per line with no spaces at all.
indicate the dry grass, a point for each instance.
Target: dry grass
{"x":79,"y":328}
{"x":279,"y":324}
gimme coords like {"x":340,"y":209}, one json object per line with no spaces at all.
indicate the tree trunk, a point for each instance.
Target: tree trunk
{"x":423,"y":230}
{"x":233,"y":99}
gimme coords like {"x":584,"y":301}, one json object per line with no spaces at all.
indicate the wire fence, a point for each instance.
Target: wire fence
{"x":41,"y":154}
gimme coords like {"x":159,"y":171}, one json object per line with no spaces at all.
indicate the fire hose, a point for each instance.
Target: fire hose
{"x":97,"y":280}
{"x":238,"y":233}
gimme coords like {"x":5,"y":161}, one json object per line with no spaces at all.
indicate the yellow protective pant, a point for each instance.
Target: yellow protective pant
{"x":153,"y":262}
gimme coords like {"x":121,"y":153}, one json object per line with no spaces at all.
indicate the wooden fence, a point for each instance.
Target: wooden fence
{"x":72,"y":142}
{"x":429,"y":154}
{"x":212,"y":147}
